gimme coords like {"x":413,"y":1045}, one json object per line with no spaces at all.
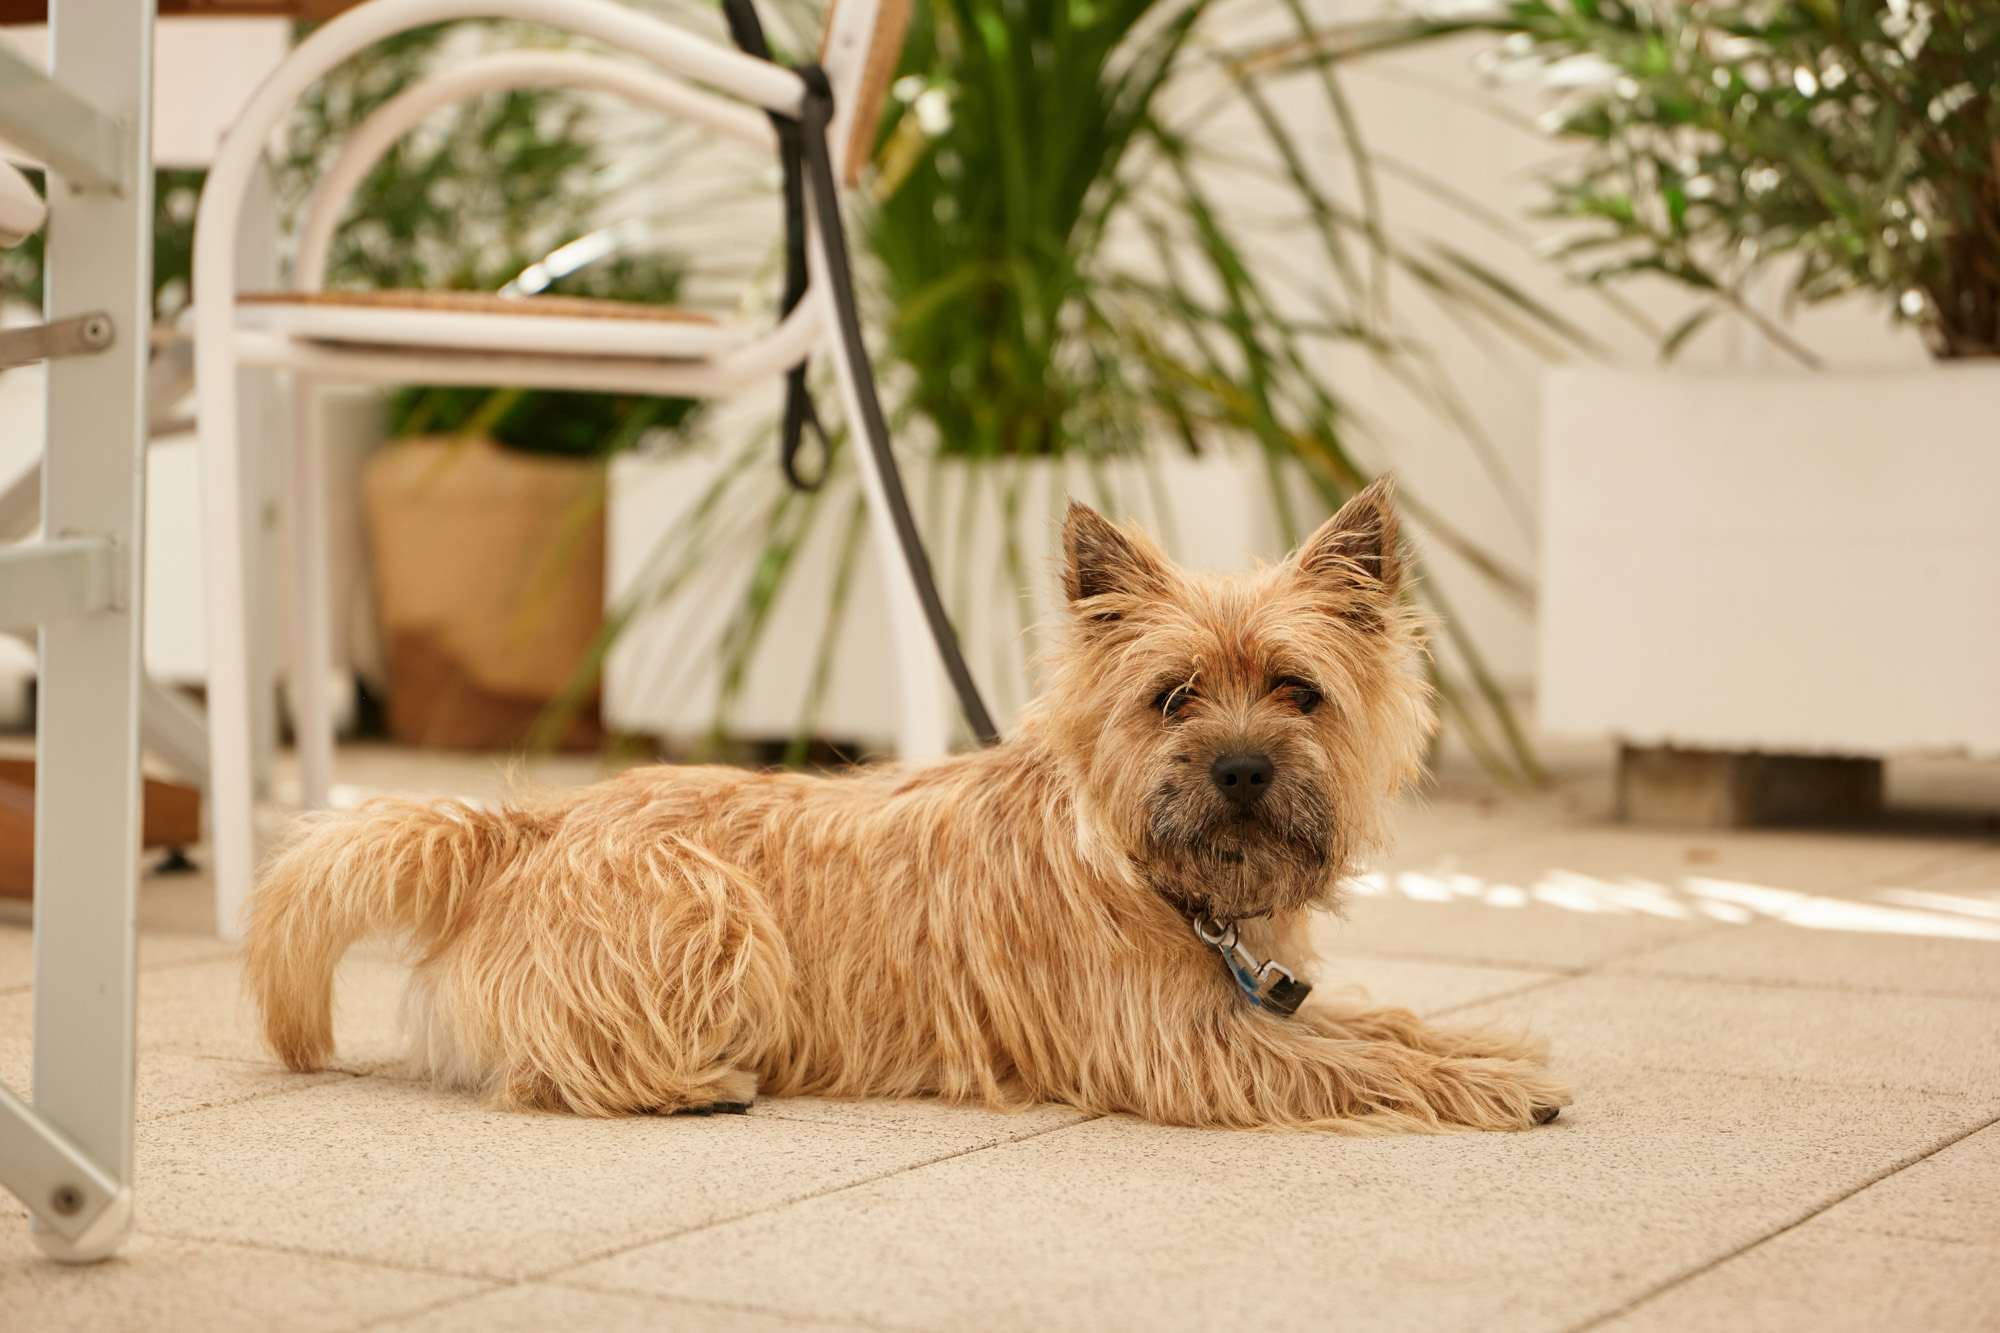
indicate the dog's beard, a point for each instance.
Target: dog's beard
{"x":1208,"y":859}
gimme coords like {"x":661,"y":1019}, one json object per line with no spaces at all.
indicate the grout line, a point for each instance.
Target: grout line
{"x":1830,"y":986}
{"x":777,"y":1113}
{"x":667,"y":1303}
{"x":553,"y":1273}
{"x":269,"y":1247}
{"x":1528,"y":989}
{"x":1713,"y":929}
{"x":165,"y":1116}
{"x":1709,"y":1266}
{"x":419,"y":1311}
{"x":1914,"y":1236}
{"x":1944,"y":861}
{"x":1835,"y":1085}
{"x":739,"y":1307}
{"x":1334,"y":955}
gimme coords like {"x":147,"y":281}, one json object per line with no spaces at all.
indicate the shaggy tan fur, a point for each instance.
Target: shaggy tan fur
{"x":1008,"y":927}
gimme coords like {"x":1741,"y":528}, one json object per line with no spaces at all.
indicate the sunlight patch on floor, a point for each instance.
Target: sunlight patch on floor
{"x":1897,"y":911}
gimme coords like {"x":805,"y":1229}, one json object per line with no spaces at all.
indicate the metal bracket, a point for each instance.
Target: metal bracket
{"x":66,"y":1190}
{"x":63,"y":337}
{"x":57,"y":580}
{"x":85,"y":146}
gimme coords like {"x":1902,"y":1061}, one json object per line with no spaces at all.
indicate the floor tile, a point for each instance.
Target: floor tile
{"x":924,"y":1114}
{"x":200,"y":1009}
{"x":1978,"y":874}
{"x":1114,"y":1224}
{"x":1951,"y":1195}
{"x":173,"y":1084}
{"x":1532,"y":936}
{"x":17,"y":957}
{"x":1819,"y":1280}
{"x":1433,"y":824}
{"x":379,"y":1170}
{"x":1775,"y":951}
{"x":160,"y":1285}
{"x":1917,"y":1043}
{"x":17,"y":954}
{"x":1426,"y":988}
{"x":537,"y":1308}
{"x":1817,"y":861}
{"x":199,"y":1044}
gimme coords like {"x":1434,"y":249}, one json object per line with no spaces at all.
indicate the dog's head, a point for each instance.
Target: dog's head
{"x":1237,"y":737}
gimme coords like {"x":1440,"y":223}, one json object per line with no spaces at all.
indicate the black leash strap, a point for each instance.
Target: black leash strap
{"x":808,"y":164}
{"x":748,"y":32}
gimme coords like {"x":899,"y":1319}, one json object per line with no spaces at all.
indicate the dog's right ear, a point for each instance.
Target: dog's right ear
{"x":1101,"y":561}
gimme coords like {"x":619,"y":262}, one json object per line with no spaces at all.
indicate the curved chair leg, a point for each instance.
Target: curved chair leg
{"x":924,"y":732}
{"x":232,"y":784}
{"x":312,"y":649}
{"x":232,"y":521}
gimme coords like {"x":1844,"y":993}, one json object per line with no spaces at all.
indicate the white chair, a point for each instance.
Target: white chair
{"x":474,"y":338}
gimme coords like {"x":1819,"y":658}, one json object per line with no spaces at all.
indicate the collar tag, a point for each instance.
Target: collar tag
{"x":1267,"y":985}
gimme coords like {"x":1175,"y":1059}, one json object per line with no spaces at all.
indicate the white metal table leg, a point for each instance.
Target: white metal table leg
{"x":87,"y":789}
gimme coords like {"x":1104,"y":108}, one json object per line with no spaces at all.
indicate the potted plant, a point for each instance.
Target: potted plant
{"x":1788,"y":562}
{"x":485,"y":513}
{"x":1070,"y":222}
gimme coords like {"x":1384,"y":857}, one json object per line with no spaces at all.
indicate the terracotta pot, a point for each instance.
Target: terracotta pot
{"x":489,"y":564}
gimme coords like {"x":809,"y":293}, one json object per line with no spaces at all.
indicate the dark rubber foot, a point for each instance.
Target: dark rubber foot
{"x":175,"y":862}
{"x":715,"y":1108}
{"x":1544,"y":1114}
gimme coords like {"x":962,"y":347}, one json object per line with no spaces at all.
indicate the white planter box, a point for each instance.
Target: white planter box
{"x":664,"y":675}
{"x":1790,"y":563}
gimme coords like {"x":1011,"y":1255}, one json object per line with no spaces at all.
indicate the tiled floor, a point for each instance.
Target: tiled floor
{"x":1786,"y":1047}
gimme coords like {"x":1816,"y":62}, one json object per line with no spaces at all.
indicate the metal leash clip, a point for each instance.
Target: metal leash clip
{"x":1269,"y":984}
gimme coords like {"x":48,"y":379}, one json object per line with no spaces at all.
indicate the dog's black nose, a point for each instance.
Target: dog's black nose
{"x":1243,"y":778}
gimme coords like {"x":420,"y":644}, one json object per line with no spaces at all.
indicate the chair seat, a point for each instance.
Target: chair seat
{"x":559,"y":326}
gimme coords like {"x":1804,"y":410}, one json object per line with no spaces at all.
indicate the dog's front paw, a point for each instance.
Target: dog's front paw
{"x":1496,"y":1094}
{"x":713,"y":1108}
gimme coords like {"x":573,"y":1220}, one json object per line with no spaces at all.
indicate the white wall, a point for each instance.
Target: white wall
{"x":1433,"y":111}
{"x":1428,"y":112}
{"x":204,"y":70}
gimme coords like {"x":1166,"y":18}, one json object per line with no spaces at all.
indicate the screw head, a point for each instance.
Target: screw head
{"x":67,"y":1200}
{"x":97,"y":331}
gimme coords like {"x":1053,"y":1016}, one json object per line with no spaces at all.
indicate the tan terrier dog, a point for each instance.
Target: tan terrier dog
{"x":1076,"y":916}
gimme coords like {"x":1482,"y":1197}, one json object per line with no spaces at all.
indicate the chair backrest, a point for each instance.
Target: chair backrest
{"x":859,"y":49}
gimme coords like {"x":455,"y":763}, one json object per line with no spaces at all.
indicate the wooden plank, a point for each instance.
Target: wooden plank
{"x":37,"y":11}
{"x":172,"y":819}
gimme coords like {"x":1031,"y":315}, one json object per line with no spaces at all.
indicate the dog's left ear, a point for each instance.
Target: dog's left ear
{"x":1356,"y":551}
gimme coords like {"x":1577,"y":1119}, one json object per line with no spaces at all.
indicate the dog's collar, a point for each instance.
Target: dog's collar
{"x":1267,"y":985}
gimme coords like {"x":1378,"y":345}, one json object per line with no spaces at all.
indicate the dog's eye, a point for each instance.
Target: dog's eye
{"x":1304,"y":697}
{"x":1169,"y":703}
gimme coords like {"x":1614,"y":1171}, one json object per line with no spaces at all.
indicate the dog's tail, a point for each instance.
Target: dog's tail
{"x":394,"y":867}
